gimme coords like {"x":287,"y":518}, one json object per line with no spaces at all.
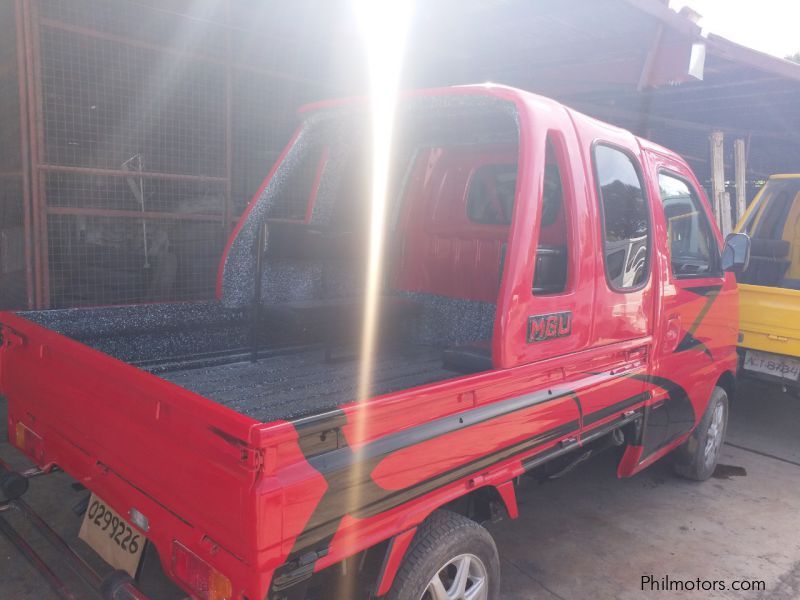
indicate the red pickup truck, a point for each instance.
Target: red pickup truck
{"x":551,"y":286}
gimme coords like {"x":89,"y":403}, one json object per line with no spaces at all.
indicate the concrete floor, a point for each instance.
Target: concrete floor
{"x":590,"y":535}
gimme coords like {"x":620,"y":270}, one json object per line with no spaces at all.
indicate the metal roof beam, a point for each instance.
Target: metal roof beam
{"x":633,"y":116}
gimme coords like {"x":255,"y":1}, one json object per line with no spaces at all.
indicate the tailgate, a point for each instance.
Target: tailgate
{"x":187,"y":453}
{"x":769,"y":319}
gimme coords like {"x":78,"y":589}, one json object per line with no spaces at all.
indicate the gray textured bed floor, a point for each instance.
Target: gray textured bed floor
{"x":303,"y":382}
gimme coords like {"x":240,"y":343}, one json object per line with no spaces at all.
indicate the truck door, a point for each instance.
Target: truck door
{"x":582,"y":324}
{"x":624,"y":296}
{"x":548,"y":318}
{"x":692,"y":321}
{"x":617,"y":361}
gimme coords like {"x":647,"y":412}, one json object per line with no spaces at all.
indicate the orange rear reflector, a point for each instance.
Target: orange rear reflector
{"x":200,"y":577}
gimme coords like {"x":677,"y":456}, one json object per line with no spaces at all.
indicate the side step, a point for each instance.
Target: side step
{"x":13,"y":485}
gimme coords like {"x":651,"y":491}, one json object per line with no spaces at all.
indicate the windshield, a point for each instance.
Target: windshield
{"x":774,"y":227}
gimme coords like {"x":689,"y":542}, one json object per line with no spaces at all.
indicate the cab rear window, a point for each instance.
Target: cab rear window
{"x":490,"y":197}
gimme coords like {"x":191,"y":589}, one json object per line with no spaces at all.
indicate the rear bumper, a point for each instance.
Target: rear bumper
{"x":164,"y":525}
{"x":117,"y":586}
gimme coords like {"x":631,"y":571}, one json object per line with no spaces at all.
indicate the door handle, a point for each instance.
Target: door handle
{"x":634,"y":354}
{"x":631,"y":359}
{"x":672,"y":334}
{"x":777,"y":338}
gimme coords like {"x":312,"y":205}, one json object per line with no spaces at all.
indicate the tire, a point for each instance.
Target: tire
{"x":697,"y":457}
{"x":446,"y":545}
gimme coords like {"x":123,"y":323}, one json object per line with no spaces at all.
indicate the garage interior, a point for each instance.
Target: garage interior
{"x":133,"y":133}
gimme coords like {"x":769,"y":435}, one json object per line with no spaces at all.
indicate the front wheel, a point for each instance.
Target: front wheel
{"x":697,"y":458}
{"x":451,"y":558}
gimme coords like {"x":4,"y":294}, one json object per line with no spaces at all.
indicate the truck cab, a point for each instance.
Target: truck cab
{"x":549,"y":286}
{"x":769,"y":333}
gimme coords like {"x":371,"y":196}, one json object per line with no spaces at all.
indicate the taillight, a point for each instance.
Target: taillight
{"x":29,"y":442}
{"x":200,"y":577}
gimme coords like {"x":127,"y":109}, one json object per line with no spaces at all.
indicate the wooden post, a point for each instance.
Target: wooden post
{"x":727,"y":223}
{"x":720,"y":199}
{"x":740,"y":168}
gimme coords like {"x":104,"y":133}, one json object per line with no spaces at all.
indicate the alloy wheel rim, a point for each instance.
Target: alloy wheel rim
{"x":714,"y":437}
{"x":462,"y":578}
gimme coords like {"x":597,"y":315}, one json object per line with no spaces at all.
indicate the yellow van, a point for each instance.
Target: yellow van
{"x":769,"y":289}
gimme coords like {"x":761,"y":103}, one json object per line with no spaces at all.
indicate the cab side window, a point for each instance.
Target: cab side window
{"x":693,"y":249}
{"x":626,"y":223}
{"x":552,"y":258}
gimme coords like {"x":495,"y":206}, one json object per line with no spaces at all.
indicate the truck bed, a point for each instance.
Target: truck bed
{"x":206,"y":349}
{"x":294,"y":382}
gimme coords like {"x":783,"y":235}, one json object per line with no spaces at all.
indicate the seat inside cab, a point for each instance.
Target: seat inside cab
{"x":774,"y":227}
{"x":448,"y":215}
{"x":454,"y":236}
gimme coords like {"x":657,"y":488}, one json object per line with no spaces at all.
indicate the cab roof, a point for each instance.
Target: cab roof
{"x":519,"y":97}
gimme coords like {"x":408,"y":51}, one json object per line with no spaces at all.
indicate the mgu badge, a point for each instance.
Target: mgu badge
{"x":547,"y":327}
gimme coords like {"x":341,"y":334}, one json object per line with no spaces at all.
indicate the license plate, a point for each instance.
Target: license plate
{"x":784,"y":367}
{"x":111,"y":536}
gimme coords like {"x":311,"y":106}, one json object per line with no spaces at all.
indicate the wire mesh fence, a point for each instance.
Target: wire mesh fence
{"x":258,"y":114}
{"x":13,"y":279}
{"x":135,"y":132}
{"x":152,"y":124}
{"x":112,"y":260}
{"x":109,"y":246}
{"x":105,"y":101}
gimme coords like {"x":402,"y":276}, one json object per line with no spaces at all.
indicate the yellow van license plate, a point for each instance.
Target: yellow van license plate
{"x":784,"y":367}
{"x":111,"y":536}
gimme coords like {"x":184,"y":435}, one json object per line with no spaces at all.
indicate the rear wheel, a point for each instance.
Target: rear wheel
{"x":451,"y":558}
{"x":697,"y":458}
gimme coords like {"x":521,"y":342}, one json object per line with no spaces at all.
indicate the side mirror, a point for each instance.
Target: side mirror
{"x":736,"y":253}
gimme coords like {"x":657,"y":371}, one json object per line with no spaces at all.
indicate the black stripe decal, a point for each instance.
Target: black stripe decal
{"x":704,"y":290}
{"x":348,"y":473}
{"x":587,"y":436}
{"x":614,"y":408}
{"x":401,"y":496}
{"x":689,"y":341}
{"x":677,"y":414}
{"x":375,"y":500}
{"x":341,"y":458}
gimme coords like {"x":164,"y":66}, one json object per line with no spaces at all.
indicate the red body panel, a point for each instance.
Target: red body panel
{"x":248,"y":496}
{"x":134,"y":439}
{"x":443,"y":251}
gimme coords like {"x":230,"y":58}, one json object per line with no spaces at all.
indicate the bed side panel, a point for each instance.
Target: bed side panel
{"x":187,"y":453}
